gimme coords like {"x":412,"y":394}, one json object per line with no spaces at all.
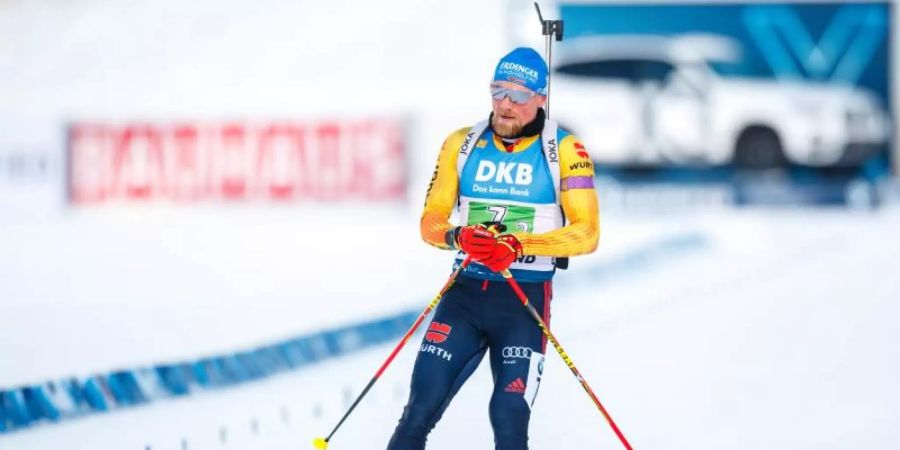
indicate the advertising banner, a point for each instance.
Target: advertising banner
{"x":186,"y":162}
{"x":755,"y":85}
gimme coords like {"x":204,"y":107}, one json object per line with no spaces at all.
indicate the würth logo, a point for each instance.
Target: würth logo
{"x":580,"y":151}
{"x":437,"y":332}
{"x":581,"y":165}
{"x":516,"y":387}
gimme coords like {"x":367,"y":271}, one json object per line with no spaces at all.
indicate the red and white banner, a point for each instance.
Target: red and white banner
{"x":235,"y":161}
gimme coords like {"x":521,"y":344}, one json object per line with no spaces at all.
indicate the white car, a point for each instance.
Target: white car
{"x":651,"y":100}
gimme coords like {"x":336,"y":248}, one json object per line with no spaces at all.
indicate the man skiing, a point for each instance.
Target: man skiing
{"x":524,"y":189}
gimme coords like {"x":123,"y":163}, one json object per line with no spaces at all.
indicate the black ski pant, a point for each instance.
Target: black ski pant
{"x":474,"y":317}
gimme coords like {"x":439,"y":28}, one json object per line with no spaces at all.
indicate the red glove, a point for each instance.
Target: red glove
{"x":505,"y":251}
{"x":475,"y":240}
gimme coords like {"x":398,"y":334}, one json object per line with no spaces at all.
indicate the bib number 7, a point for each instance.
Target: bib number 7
{"x":499,"y":213}
{"x":516,"y":218}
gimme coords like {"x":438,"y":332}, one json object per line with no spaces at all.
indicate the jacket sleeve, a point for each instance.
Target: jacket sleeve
{"x":443,"y":192}
{"x":580,"y":206}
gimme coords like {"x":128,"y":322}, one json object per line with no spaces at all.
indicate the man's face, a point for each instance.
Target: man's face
{"x":509,"y":116}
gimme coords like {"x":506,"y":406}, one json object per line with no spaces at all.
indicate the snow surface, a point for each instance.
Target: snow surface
{"x":774,"y":329}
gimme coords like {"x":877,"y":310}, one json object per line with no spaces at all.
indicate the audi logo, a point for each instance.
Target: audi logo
{"x":517,"y":352}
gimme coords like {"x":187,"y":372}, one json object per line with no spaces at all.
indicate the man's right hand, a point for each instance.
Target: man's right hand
{"x":475,"y":240}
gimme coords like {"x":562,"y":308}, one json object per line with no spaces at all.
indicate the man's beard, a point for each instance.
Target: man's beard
{"x":506,"y":129}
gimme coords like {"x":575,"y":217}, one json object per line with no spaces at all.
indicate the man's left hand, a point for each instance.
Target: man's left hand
{"x":506,"y":249}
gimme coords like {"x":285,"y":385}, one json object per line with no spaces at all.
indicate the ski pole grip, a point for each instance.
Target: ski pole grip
{"x":553,"y":27}
{"x":549,"y":27}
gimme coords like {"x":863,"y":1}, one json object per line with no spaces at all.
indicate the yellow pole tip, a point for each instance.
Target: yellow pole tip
{"x":320,"y":443}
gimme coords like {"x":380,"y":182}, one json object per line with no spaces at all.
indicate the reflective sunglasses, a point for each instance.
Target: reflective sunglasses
{"x":517,"y":96}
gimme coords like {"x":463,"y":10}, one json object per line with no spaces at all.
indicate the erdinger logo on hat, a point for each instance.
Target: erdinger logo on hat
{"x":525,"y":67}
{"x":514,"y":71}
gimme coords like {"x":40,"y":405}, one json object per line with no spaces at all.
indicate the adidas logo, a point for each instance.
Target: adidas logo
{"x":516,"y":387}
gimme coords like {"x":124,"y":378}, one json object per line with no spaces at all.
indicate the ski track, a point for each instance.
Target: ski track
{"x":774,"y":335}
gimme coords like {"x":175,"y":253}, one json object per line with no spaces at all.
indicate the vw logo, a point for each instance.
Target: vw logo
{"x":517,"y":352}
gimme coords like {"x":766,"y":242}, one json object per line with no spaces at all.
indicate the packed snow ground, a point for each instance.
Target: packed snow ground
{"x":105,"y":289}
{"x":773,"y":330}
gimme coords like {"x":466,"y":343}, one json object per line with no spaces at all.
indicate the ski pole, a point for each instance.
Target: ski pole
{"x":322,"y":443}
{"x":550,"y":29}
{"x":562,"y":353}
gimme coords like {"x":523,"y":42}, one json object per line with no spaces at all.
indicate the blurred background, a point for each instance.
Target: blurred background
{"x":209,"y":220}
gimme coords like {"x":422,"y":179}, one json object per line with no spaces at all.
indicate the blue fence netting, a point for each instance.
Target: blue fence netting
{"x":56,"y":400}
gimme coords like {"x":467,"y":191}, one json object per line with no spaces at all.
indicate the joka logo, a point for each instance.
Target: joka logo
{"x":516,"y":387}
{"x":437,"y":332}
{"x":551,"y":151}
{"x":502,"y":172}
{"x":842,"y":53}
{"x":465,"y":147}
